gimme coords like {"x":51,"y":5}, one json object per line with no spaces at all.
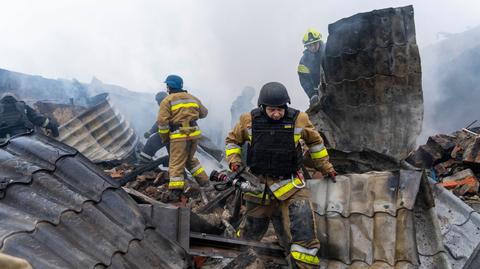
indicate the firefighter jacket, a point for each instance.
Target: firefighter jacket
{"x":17,"y":117}
{"x":311,"y":71}
{"x":11,"y":262}
{"x":177,"y":116}
{"x":281,"y":187}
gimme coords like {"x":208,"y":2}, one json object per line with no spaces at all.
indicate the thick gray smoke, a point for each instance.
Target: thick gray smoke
{"x":217,"y":46}
{"x":451,"y":83}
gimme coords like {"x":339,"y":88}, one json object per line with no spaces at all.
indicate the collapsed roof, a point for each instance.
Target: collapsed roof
{"x":49,"y":191}
{"x":59,"y":210}
{"x":393,"y":219}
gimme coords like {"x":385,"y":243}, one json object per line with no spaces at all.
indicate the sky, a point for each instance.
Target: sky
{"x":217,"y":46}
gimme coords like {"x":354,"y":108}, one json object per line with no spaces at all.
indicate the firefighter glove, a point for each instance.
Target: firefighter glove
{"x":147,"y":134}
{"x":235,"y":166}
{"x":332,"y":175}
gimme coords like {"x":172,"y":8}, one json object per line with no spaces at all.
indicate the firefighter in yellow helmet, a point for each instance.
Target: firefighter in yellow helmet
{"x":311,"y":67}
{"x":273,"y":131}
{"x":177,"y":123}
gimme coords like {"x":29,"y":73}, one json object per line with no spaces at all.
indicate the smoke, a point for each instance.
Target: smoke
{"x":451,"y":83}
{"x":218,"y":47}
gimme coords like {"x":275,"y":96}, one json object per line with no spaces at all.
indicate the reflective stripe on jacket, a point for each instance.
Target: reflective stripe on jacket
{"x":304,"y":130}
{"x":176,"y":183}
{"x":180,"y":109}
{"x":281,"y":189}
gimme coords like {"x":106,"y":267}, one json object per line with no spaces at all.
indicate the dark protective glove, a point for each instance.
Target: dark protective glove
{"x":53,"y":127}
{"x":332,"y":175}
{"x":147,"y":134}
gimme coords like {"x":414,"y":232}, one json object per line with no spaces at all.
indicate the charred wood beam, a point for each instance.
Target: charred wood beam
{"x":202,"y":244}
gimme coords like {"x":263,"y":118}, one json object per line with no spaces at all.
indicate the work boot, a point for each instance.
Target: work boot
{"x":175,"y":196}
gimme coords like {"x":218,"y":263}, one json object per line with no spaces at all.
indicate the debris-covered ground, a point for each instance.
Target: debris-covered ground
{"x":381,"y":212}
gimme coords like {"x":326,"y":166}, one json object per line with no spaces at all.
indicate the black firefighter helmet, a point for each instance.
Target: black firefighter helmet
{"x":273,"y":94}
{"x":160,"y":96}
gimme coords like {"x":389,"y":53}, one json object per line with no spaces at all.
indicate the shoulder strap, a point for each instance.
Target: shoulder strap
{"x":256,"y":112}
{"x":292,"y":113}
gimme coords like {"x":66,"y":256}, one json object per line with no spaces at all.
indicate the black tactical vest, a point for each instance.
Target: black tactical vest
{"x":272,"y":150}
{"x":13,"y":119}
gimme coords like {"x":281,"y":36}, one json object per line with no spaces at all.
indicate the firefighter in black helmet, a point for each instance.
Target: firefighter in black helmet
{"x":18,"y":118}
{"x":273,"y":131}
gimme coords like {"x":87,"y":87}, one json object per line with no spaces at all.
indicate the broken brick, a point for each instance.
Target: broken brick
{"x":471,"y":153}
{"x":425,"y":157}
{"x":463,"y":182}
{"x":437,"y":150}
{"x":442,"y":143}
{"x":443,"y":169}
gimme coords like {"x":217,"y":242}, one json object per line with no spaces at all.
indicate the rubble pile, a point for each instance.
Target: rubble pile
{"x":61,"y":113}
{"x":152,"y":183}
{"x":453,"y":160}
{"x":148,"y":183}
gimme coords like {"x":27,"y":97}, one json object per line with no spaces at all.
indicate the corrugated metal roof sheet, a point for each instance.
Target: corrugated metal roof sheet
{"x":59,"y":211}
{"x":101,"y":133}
{"x":459,"y":225}
{"x":372,"y":66}
{"x":376,"y":220}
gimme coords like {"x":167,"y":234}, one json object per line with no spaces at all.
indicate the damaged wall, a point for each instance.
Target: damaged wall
{"x":374,"y":96}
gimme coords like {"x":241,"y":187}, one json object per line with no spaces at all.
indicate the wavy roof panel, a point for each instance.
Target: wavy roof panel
{"x":101,"y":133}
{"x":459,"y":225}
{"x":59,"y":211}
{"x":373,"y":99}
{"x":378,"y":220}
